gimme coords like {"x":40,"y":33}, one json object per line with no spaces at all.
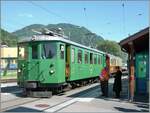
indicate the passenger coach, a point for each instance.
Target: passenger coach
{"x":50,"y":62}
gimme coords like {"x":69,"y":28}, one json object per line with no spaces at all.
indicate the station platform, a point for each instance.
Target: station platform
{"x":82,"y":99}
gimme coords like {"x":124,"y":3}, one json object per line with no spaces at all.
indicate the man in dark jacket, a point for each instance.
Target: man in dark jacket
{"x":117,"y":87}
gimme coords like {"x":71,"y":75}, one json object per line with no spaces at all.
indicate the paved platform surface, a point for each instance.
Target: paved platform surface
{"x":83,"y":99}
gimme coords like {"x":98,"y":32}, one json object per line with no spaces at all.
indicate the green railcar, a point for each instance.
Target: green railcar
{"x":49,"y":62}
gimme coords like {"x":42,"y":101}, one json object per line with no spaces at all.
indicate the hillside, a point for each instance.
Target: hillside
{"x":75,"y":33}
{"x":8,"y":38}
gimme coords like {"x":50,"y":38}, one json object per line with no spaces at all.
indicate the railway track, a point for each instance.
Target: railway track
{"x":8,"y":80}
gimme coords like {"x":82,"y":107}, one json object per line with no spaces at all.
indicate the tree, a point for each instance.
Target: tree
{"x":113,"y":48}
{"x":110,"y":47}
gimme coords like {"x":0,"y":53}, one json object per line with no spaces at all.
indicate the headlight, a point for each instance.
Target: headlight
{"x":52,"y":71}
{"x":19,"y":70}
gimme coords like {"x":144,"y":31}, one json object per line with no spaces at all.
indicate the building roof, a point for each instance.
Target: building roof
{"x":140,"y":40}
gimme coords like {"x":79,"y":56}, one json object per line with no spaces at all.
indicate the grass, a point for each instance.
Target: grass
{"x":9,"y":75}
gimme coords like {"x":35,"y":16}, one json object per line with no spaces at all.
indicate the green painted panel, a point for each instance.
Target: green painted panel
{"x":52,"y":70}
{"x":42,"y":69}
{"x":81,"y":71}
{"x":141,"y":64}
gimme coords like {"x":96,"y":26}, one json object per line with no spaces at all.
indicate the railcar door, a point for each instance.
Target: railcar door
{"x":68,"y":65}
{"x":33,"y":63}
{"x":70,"y":61}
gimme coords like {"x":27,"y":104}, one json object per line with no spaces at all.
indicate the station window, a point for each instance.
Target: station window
{"x":11,"y":61}
{"x":91,"y":58}
{"x":34,"y":51}
{"x":79,"y":56}
{"x":86,"y":57}
{"x":72,"y":55}
{"x":61,"y":51}
{"x":15,"y":61}
{"x":95,"y":59}
{"x":6,"y":61}
{"x":49,"y":50}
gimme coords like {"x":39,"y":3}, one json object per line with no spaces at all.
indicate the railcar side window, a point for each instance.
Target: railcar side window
{"x":91,"y":58}
{"x":79,"y":56}
{"x":99,"y":59}
{"x":72,"y":55}
{"x":86,"y":57}
{"x":95,"y":62}
{"x":34,"y":51}
{"x":62,"y":51}
{"x":22,"y":52}
{"x":49,"y":50}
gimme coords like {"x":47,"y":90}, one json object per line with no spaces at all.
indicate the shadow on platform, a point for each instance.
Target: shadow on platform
{"x":130,"y":110}
{"x":22,"y":109}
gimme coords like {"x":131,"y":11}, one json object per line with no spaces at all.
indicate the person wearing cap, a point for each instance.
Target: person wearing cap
{"x":104,"y":77}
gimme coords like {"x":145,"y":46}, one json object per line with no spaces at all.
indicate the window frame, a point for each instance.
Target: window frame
{"x":43,"y":53}
{"x":37,"y":45}
{"x":99,"y":59}
{"x":72,"y":55}
{"x":62,"y":51}
{"x":95,"y":59}
{"x":26,"y":51}
{"x":91,"y":58}
{"x":79,"y":56}
{"x":86,"y":57}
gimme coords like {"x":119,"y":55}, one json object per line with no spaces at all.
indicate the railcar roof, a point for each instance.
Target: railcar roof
{"x":55,"y":38}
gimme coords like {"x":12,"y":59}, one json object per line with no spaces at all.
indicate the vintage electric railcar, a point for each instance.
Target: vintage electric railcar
{"x":49,"y":62}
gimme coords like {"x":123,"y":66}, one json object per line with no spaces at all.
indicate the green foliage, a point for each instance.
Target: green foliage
{"x":75,"y":33}
{"x":113,"y":48}
{"x":27,"y":31}
{"x":8,"y":38}
{"x":110,"y":47}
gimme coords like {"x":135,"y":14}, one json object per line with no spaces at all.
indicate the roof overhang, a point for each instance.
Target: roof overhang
{"x":140,"y":41}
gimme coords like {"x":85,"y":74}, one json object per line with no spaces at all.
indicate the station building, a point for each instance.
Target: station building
{"x":137,"y":47}
{"x":8,"y":55}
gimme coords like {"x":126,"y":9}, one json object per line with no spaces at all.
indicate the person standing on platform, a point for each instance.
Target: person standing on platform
{"x":117,"y":87}
{"x":104,"y":77}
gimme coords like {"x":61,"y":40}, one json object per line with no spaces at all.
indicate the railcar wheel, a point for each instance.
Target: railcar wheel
{"x":73,"y":86}
{"x":58,"y":90}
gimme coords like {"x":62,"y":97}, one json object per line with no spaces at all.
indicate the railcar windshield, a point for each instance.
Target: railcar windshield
{"x":22,"y":52}
{"x":48,"y":50}
{"x":34,"y":51}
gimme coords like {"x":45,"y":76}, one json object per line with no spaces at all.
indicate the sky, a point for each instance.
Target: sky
{"x":110,"y":19}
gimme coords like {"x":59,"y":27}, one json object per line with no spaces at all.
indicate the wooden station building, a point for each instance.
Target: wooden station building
{"x":137,"y":47}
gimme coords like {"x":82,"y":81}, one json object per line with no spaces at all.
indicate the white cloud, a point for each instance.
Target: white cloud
{"x":26,"y":15}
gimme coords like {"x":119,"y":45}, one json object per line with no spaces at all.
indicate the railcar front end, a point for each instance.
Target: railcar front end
{"x":38,"y":64}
